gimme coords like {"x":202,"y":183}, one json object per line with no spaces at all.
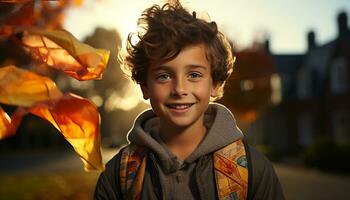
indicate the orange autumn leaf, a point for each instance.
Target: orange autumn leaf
{"x":8,"y":126}
{"x":23,"y":88}
{"x":78,"y":120}
{"x":6,"y":31}
{"x":61,"y":50}
{"x":5,"y":122}
{"x":15,"y":1}
{"x":20,"y":13}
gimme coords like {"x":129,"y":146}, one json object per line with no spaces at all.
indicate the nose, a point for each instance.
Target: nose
{"x":179,"y":88}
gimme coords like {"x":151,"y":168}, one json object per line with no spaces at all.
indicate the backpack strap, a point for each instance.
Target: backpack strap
{"x":132,"y":171}
{"x":250,"y":172}
{"x":230,"y":168}
{"x":231,"y":171}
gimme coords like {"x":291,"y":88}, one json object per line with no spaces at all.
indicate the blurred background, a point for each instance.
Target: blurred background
{"x":289,"y":91}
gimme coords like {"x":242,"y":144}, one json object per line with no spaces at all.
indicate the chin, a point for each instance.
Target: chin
{"x":181,"y":123}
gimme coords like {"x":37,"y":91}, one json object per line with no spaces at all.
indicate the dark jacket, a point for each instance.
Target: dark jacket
{"x":167,"y":177}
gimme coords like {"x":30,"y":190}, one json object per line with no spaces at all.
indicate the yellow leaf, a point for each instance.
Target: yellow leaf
{"x":8,"y":126}
{"x":61,"y":50}
{"x":79,"y":122}
{"x":5,"y":122}
{"x":23,"y":88}
{"x":76,"y":118}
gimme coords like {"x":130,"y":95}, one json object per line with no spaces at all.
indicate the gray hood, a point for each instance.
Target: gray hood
{"x":221,"y":131}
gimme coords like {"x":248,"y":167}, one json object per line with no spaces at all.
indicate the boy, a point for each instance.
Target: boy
{"x":184,"y":147}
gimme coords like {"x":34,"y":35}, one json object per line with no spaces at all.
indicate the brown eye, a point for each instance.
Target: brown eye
{"x":162,"y":77}
{"x":194,"y":75}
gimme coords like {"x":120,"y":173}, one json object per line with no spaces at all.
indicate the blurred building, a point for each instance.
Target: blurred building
{"x":314,"y":95}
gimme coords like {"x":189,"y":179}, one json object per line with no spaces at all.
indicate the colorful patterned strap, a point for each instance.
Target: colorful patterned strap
{"x":231,"y":171}
{"x":132,"y":171}
{"x":230,"y":166}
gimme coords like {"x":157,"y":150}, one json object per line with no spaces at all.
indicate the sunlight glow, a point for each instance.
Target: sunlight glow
{"x":98,"y":101}
{"x":81,"y":85}
{"x":126,"y":99}
{"x":247,"y":85}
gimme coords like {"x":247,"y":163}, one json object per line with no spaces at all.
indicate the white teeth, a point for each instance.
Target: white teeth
{"x":179,"y":107}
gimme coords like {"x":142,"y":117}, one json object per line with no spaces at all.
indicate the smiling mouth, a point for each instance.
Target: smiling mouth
{"x":179,"y":106}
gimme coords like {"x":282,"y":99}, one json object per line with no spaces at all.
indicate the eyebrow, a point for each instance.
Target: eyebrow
{"x":197,"y":66}
{"x":192,"y":66}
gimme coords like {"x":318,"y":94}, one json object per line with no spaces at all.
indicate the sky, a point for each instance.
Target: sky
{"x":285,"y":23}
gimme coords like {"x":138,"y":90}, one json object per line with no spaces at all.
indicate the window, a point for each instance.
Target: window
{"x":341,"y":127}
{"x":304,"y":83}
{"x":339,"y":76}
{"x":305,"y":129}
{"x":276,"y":89}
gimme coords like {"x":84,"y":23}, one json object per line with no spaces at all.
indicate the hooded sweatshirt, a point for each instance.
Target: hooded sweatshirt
{"x":174,"y":174}
{"x":166,"y":176}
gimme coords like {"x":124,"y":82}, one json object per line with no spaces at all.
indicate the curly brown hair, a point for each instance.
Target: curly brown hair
{"x":164,"y":32}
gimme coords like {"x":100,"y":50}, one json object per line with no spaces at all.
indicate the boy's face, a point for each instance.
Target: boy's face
{"x":180,"y":90}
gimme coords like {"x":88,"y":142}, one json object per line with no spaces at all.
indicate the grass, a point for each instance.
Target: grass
{"x":63,"y":185}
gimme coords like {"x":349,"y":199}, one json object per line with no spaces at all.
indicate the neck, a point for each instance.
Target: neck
{"x":184,"y":140}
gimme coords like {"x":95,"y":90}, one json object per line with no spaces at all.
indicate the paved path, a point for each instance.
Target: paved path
{"x":297,"y":183}
{"x":300,"y":183}
{"x":48,"y":161}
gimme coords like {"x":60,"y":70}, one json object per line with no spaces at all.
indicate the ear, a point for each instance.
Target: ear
{"x":144,"y":91}
{"x":215,"y":89}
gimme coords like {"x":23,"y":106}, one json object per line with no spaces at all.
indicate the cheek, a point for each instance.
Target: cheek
{"x":204,"y":91}
{"x":159,"y":93}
